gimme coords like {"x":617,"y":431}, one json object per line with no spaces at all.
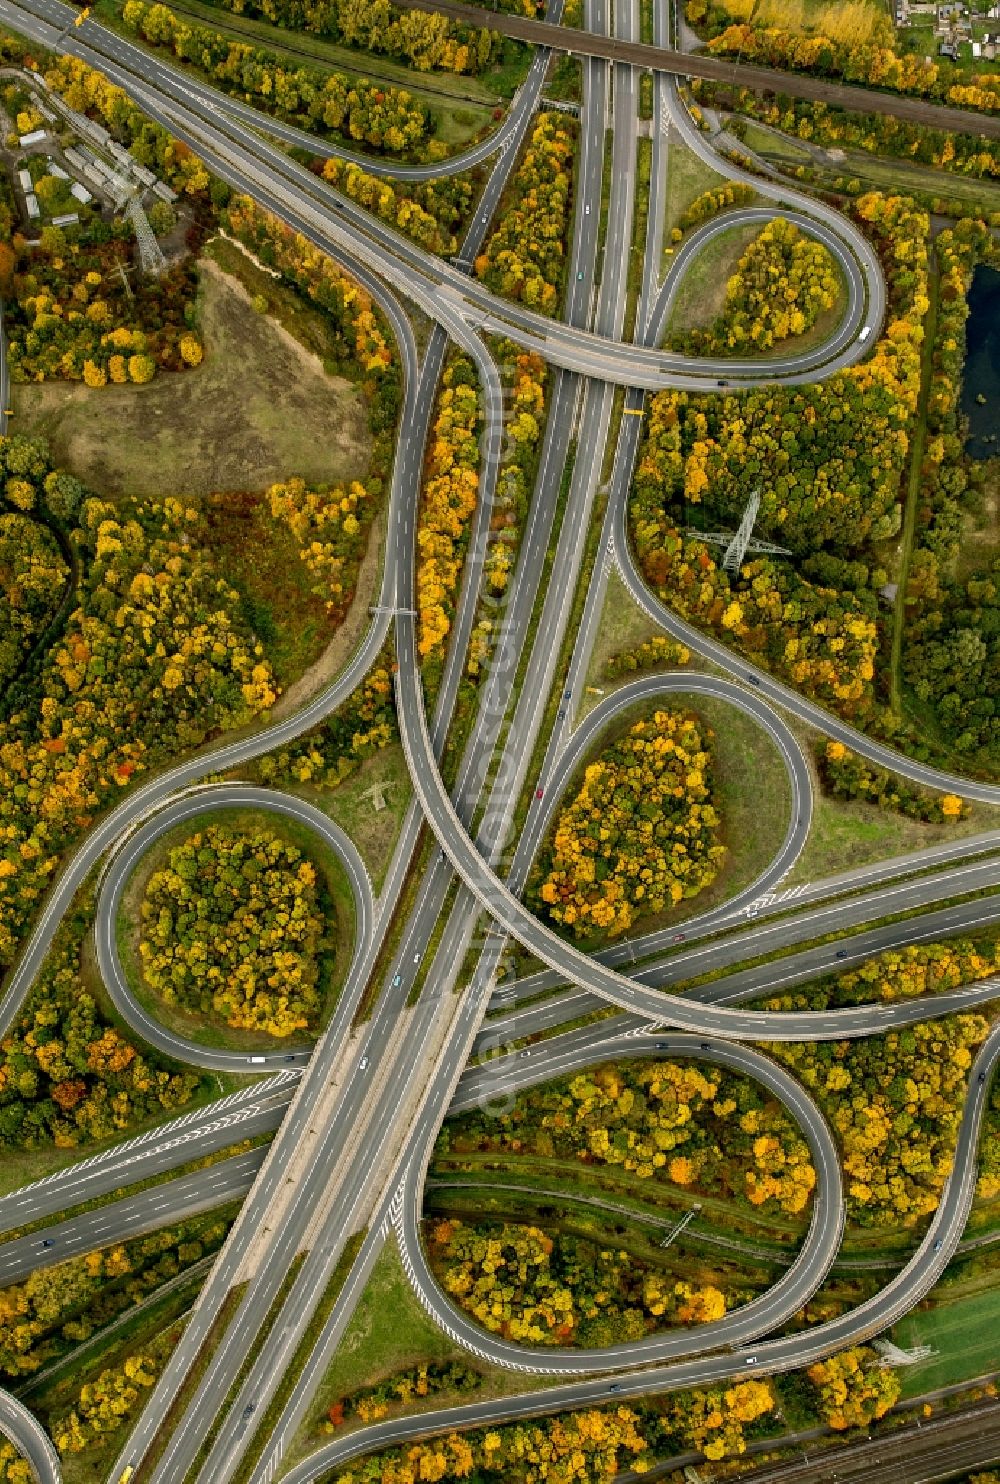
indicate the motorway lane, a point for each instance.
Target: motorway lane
{"x":253,"y":1221}
{"x":521,"y":107}
{"x":456,"y":936}
{"x":123,"y":865}
{"x":562,"y":956}
{"x":235,"y":1432}
{"x":376,"y":1040}
{"x":780,"y":974}
{"x":478,"y":751}
{"x":781,"y":695}
{"x":856,"y":310}
{"x":230,"y":754}
{"x":253,"y":1110}
{"x":792,"y":899}
{"x":132,"y":1216}
{"x":30,"y":1439}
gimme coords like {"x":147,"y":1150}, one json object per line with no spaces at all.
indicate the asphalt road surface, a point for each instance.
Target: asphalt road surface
{"x":373,"y":1073}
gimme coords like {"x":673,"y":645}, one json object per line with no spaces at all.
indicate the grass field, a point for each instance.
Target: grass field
{"x":704,"y":293}
{"x":623,"y":626}
{"x":849,"y":833}
{"x":763,"y":141}
{"x":389,"y":1332}
{"x":351,"y":805}
{"x":242,"y":420}
{"x":964,"y":1335}
{"x":687,"y":178}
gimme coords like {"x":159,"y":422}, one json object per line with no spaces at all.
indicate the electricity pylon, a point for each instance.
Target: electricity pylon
{"x":737,"y":545}
{"x":126,"y":191}
{"x":151,"y":259}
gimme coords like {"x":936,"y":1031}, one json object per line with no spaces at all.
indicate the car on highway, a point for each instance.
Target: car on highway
{"x":539,"y":793}
{"x":751,"y":1360}
{"x":841,"y":952}
{"x":256,"y":1061}
{"x":525,"y":1052}
{"x":48,"y":1243}
{"x":680,"y":937}
{"x":363,"y":1063}
{"x":865,"y":332}
{"x":938,"y":1245}
{"x":397,"y":979}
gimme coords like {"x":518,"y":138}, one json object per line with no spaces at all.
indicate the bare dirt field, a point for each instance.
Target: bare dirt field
{"x":258,"y":409}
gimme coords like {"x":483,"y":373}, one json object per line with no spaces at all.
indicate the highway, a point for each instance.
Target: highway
{"x":254,"y":1110}
{"x":779,"y":974}
{"x":634,"y":950}
{"x":132,"y":1216}
{"x":767,"y":1357}
{"x":198,"y":114}
{"x":363,"y":1113}
{"x":315,"y":1274}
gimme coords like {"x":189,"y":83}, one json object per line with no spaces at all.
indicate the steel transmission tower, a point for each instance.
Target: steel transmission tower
{"x":737,"y":548}
{"x":128,"y":194}
{"x":151,"y":259}
{"x":744,"y":540}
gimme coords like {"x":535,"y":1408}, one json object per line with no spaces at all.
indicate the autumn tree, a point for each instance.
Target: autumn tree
{"x":853,"y":1388}
{"x":448,"y":498}
{"x":783,"y":282}
{"x":232,"y":926}
{"x":525,"y":258}
{"x":640,"y":835}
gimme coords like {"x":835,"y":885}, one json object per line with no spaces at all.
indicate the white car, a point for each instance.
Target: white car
{"x":866,"y":331}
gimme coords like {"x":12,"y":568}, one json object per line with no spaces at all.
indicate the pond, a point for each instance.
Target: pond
{"x":982,"y":364}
